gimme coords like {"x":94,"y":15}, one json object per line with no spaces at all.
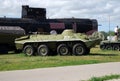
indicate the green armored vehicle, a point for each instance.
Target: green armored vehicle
{"x":112,"y":42}
{"x":66,"y":43}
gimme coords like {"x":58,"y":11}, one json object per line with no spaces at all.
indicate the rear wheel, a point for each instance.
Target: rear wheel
{"x":28,"y":50}
{"x":79,"y":49}
{"x":62,"y":49}
{"x":116,"y":47}
{"x":43,"y":50}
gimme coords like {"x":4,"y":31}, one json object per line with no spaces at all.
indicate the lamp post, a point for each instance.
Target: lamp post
{"x":109,"y":25}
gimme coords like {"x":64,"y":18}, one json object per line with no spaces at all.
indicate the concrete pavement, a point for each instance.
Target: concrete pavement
{"x":67,"y":73}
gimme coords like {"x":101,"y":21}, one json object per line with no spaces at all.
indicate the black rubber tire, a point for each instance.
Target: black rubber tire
{"x":28,"y":50}
{"x":43,"y":50}
{"x":116,"y":47}
{"x":79,"y":49}
{"x":108,"y":47}
{"x":63,"y":49}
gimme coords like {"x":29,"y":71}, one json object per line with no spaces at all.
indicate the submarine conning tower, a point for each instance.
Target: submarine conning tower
{"x":33,"y":13}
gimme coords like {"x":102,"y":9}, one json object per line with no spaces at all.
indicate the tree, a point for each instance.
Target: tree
{"x":111,"y":33}
{"x":105,"y":34}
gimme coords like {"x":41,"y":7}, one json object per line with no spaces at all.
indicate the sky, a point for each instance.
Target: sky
{"x":107,"y":12}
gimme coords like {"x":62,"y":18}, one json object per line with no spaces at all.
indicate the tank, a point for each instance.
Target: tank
{"x":66,"y":43}
{"x":112,"y":43}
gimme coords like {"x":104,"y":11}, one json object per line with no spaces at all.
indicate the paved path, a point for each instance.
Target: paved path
{"x":68,"y":73}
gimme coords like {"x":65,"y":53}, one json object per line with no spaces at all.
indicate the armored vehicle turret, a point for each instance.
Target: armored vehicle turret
{"x":66,"y":43}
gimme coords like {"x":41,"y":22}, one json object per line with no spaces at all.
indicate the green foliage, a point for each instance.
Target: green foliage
{"x":105,"y":34}
{"x":111,"y":33}
{"x":104,"y":78}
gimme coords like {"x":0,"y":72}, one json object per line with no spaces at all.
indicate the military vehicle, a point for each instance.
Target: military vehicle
{"x":66,"y":43}
{"x":112,"y":43}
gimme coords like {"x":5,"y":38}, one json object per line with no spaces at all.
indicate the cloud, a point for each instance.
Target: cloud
{"x":97,"y":9}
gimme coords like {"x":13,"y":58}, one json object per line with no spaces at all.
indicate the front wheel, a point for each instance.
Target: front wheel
{"x":79,"y":49}
{"x":28,"y":50}
{"x":43,"y":50}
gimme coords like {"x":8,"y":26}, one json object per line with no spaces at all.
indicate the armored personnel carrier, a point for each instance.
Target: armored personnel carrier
{"x":112,"y":43}
{"x":66,"y":43}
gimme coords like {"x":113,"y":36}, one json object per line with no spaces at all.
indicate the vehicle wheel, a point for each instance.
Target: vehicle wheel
{"x":28,"y":50}
{"x":102,"y":47}
{"x":62,"y":49}
{"x":79,"y":49}
{"x":108,"y":47}
{"x":43,"y":50}
{"x":116,"y":47}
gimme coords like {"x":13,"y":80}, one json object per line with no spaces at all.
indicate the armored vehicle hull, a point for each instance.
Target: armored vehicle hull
{"x":110,"y":45}
{"x":66,"y":43}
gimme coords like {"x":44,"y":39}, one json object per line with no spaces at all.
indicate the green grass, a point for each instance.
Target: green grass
{"x":21,"y":62}
{"x":104,"y":78}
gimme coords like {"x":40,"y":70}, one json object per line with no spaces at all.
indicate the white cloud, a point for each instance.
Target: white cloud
{"x":98,"y":9}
